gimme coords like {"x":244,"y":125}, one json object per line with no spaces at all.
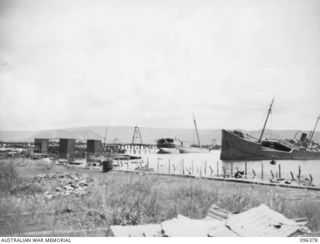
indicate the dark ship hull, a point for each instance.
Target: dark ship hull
{"x":236,"y":147}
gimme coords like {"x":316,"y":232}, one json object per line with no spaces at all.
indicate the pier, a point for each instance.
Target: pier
{"x":217,"y":178}
{"x":243,"y":175}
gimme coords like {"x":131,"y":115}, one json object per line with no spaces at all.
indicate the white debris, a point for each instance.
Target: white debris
{"x":215,"y":212}
{"x":183,"y":226}
{"x":259,"y":221}
{"x":150,"y":230}
{"x":46,"y":160}
{"x":65,"y":184}
{"x":222,"y":231}
{"x":262,"y":221}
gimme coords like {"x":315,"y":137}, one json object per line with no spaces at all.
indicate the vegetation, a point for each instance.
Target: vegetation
{"x":8,"y":176}
{"x":117,"y":198}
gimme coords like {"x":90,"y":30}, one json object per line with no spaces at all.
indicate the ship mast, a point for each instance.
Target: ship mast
{"x":105,"y":136}
{"x":265,"y":123}
{"x":312,"y":134}
{"x":195,"y":125}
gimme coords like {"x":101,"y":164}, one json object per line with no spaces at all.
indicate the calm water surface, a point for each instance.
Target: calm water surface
{"x":210,"y":164}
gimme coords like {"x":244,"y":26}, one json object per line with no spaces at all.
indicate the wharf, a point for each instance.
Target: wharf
{"x":219,"y":178}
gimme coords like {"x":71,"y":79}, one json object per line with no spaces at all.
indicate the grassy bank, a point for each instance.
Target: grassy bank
{"x":121,"y":198}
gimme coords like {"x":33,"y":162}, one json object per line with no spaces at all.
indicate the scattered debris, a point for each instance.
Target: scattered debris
{"x":65,"y":184}
{"x":303,"y":182}
{"x":262,"y":221}
{"x":62,"y":161}
{"x":78,"y":162}
{"x":259,"y":221}
{"x":144,"y":168}
{"x":215,"y":212}
{"x":183,"y":226}
{"x":222,"y":231}
{"x":239,"y":174}
{"x":150,"y":230}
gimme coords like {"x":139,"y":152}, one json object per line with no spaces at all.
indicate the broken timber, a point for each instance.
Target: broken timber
{"x":258,"y":221}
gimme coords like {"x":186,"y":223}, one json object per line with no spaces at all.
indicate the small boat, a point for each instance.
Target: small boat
{"x":273,"y":162}
{"x":169,"y":145}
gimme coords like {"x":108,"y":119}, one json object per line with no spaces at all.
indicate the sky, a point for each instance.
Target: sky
{"x":70,"y":63}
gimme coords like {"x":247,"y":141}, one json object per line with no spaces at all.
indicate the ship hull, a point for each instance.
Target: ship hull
{"x":237,"y":148}
{"x":193,"y":150}
{"x":168,"y":150}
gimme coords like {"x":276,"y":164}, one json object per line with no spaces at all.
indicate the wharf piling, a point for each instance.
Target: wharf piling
{"x":231,"y":173}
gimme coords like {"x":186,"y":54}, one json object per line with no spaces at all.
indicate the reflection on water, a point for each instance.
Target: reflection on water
{"x":210,"y":163}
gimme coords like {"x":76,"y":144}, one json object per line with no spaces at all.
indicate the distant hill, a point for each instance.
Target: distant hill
{"x":124,"y":134}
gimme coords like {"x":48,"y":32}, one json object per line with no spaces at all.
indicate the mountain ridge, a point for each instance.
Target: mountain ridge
{"x":124,"y":134}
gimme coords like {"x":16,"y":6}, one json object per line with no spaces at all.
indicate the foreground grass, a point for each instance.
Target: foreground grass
{"x":128,"y":199}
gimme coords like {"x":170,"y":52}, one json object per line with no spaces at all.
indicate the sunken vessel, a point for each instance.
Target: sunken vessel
{"x":239,"y":146}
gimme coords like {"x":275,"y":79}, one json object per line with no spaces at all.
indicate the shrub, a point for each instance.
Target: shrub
{"x":26,"y":188}
{"x":8,"y":176}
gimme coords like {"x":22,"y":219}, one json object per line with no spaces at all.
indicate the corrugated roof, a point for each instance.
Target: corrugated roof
{"x":183,"y":226}
{"x":222,"y":231}
{"x":136,"y":230}
{"x":261,"y":221}
{"x":215,"y":212}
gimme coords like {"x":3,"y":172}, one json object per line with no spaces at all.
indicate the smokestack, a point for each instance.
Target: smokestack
{"x":303,"y":137}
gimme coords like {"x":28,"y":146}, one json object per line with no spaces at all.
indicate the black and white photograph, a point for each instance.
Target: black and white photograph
{"x":159,"y":118}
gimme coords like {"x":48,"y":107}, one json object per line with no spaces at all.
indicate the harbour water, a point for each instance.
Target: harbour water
{"x":206,"y":164}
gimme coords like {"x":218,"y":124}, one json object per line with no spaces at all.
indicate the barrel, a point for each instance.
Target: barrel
{"x":107,"y":165}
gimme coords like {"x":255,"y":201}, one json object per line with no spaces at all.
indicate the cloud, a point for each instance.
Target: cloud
{"x":76,"y":63}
